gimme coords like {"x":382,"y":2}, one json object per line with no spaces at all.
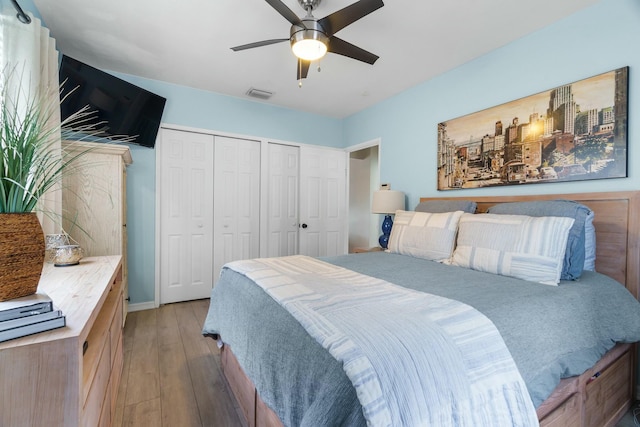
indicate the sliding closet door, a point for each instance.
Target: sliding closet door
{"x":186,"y":215}
{"x":323,"y":207}
{"x":236,"y":201}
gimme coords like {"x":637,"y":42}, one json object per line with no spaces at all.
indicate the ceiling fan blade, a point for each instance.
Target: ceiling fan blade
{"x":284,"y":11}
{"x":258,"y":44}
{"x":344,"y":48}
{"x":350,"y":14}
{"x":302,"y":69}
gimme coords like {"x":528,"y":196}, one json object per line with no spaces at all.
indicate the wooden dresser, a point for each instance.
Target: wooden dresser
{"x":69,"y":376}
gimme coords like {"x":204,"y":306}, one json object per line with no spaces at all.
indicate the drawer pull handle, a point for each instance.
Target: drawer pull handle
{"x":85,"y":346}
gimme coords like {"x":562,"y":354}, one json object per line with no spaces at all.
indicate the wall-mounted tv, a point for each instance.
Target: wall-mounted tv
{"x":126,"y":109}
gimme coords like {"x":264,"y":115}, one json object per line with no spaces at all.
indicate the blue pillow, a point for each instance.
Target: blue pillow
{"x":575,"y":254}
{"x":441,"y":206}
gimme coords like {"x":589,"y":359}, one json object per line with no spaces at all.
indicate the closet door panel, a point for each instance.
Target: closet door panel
{"x":236,"y":197}
{"x":186,"y":215}
{"x":282,"y":205}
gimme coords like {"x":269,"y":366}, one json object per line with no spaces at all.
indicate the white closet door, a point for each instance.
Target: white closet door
{"x":282,"y":204}
{"x":323,"y":211}
{"x":236,"y":197}
{"x":186,"y":215}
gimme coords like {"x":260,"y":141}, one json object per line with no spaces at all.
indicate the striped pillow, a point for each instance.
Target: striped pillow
{"x":425,"y":235}
{"x":529,"y":248}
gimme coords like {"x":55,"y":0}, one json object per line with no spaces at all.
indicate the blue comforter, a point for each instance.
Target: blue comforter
{"x":551,"y":332}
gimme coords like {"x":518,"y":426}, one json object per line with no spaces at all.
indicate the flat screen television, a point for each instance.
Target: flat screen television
{"x":126,"y":109}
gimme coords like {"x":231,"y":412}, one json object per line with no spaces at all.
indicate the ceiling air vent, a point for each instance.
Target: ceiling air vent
{"x":259,"y":93}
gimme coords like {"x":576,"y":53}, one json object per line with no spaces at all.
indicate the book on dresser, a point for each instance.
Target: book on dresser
{"x":39,"y":323}
{"x":25,"y":306}
{"x":28,"y":320}
{"x":28,"y":315}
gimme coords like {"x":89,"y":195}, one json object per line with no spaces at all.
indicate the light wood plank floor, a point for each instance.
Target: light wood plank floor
{"x":171,"y":375}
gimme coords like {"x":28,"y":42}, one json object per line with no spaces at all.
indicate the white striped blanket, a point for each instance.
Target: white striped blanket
{"x":415,"y":359}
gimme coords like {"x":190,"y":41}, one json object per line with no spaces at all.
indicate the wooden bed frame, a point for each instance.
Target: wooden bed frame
{"x":600,"y":396}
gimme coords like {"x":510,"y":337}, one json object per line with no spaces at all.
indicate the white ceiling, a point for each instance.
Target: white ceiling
{"x":187,"y":42}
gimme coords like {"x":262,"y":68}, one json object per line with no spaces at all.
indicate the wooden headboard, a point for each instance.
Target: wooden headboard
{"x":617,"y":224}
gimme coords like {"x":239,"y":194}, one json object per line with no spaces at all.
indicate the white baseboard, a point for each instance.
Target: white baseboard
{"x":141,"y":306}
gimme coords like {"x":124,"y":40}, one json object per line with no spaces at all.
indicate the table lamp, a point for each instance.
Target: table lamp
{"x":386,"y":202}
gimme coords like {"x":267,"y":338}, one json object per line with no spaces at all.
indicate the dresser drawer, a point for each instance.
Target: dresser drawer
{"x":116,"y":374}
{"x":115,"y":329}
{"x":98,"y":390}
{"x":100,"y":336}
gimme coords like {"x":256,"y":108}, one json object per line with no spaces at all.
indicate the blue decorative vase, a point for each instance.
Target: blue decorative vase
{"x":386,"y":231}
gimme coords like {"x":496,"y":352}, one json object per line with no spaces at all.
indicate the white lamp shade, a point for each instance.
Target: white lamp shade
{"x":387,"y":201}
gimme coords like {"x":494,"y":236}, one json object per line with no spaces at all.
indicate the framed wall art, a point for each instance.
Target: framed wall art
{"x":577,"y":131}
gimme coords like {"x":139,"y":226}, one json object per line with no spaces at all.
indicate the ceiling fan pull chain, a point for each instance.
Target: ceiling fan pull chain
{"x":319,"y":69}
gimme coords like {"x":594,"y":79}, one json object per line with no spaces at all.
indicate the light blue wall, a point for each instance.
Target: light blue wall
{"x":601,"y":38}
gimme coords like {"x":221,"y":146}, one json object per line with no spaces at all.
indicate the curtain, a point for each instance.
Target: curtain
{"x":28,"y":54}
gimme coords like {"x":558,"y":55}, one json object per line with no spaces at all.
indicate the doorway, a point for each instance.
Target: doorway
{"x":364,"y":179}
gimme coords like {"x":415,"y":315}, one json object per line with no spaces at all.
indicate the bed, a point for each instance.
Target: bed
{"x":254,"y":328}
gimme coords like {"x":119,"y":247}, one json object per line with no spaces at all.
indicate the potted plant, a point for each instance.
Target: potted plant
{"x":31,"y":163}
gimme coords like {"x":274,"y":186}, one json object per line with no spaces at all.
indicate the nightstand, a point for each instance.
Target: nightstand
{"x":362,"y":250}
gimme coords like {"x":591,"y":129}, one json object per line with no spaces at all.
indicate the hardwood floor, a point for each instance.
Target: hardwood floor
{"x":171,"y":375}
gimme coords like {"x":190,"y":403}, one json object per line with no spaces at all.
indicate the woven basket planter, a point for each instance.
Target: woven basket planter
{"x":22,"y":250}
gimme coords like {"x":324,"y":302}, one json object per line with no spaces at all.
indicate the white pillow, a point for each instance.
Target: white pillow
{"x":425,"y":235}
{"x":529,"y":248}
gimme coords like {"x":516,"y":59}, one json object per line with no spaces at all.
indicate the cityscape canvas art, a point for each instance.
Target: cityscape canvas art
{"x":577,"y":131}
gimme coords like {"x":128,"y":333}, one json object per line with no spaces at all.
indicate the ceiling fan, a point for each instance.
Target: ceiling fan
{"x":312,"y":38}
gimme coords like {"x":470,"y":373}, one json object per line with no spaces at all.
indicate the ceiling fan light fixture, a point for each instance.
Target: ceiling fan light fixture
{"x":308,"y":42}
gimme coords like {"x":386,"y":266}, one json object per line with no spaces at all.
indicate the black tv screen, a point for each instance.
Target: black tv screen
{"x":125,"y":108}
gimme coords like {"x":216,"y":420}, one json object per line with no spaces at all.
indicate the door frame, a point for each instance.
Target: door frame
{"x":375,"y":177}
